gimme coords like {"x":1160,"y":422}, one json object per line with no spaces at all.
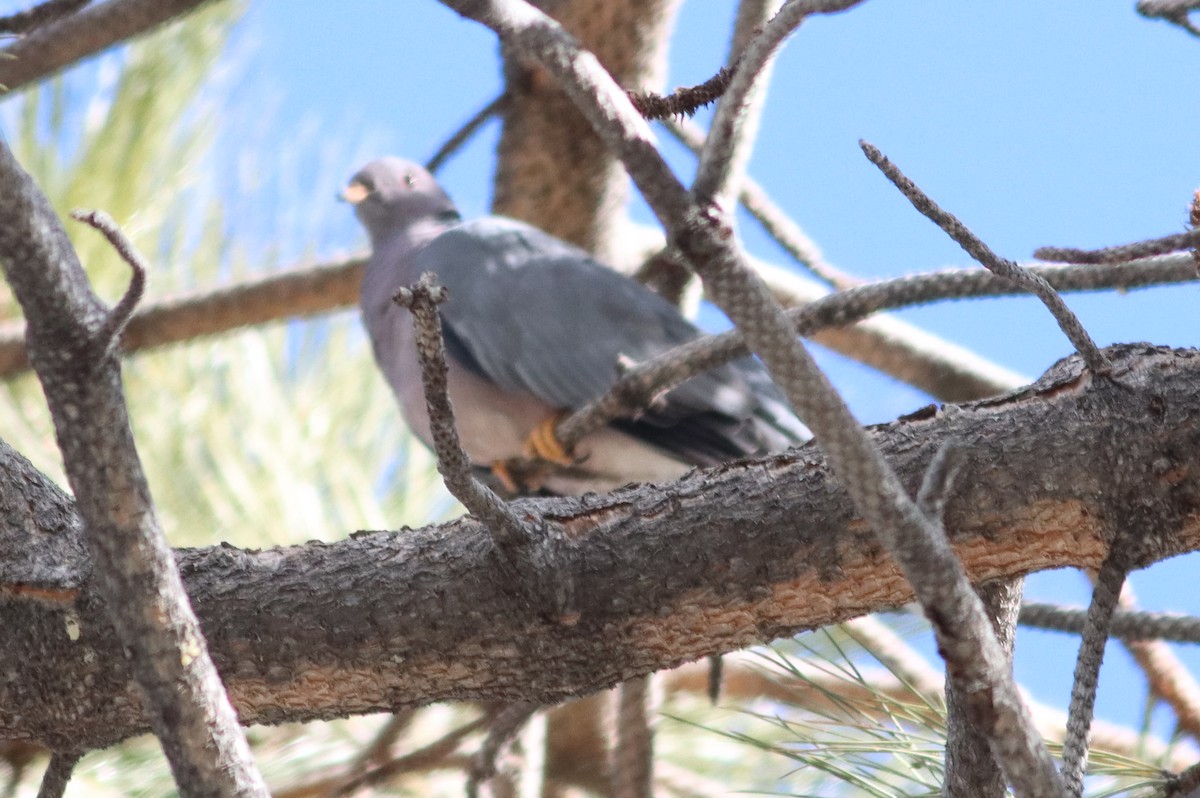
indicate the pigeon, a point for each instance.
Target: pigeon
{"x":535,"y":328}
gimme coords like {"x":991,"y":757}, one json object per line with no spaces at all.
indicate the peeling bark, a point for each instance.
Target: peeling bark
{"x":630,"y":582}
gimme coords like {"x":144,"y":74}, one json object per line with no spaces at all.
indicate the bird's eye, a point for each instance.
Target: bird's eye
{"x":410,"y":180}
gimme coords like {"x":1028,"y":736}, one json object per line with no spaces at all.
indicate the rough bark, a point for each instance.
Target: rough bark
{"x":634,"y":581}
{"x":552,"y":168}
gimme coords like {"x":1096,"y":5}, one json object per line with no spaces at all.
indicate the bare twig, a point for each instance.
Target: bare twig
{"x":464,"y":133}
{"x":422,"y":300}
{"x":1126,"y":252}
{"x":775,"y":222}
{"x":379,"y":751}
{"x":135,"y":568}
{"x":727,"y":147}
{"x":422,"y":759}
{"x":683,"y":101}
{"x":1126,"y":625}
{"x":41,"y":14}
{"x":57,"y":45}
{"x":950,"y":224}
{"x":501,"y":731}
{"x":631,"y":765}
{"x":58,"y":774}
{"x":1087,"y":670}
{"x":1173,"y":11}
{"x":110,"y":335}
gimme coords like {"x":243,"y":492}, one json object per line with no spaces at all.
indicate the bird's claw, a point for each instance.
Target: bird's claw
{"x":543,"y":444}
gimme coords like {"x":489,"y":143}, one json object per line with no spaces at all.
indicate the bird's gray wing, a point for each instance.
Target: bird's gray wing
{"x":532,"y":313}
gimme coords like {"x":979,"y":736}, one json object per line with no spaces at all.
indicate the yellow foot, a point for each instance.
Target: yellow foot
{"x":543,"y":444}
{"x":502,"y":472}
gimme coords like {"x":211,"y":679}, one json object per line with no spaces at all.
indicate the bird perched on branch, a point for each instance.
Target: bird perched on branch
{"x":534,"y":328}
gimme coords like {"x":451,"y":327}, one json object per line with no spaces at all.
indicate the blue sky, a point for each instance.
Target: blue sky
{"x":1070,"y":123}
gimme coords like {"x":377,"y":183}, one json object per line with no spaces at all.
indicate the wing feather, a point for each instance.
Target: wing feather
{"x":535,"y":314}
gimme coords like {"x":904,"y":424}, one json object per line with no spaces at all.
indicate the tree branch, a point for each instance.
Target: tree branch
{"x":1173,"y":11}
{"x":1126,"y":252}
{"x":1126,"y":624}
{"x":70,"y":336}
{"x":1166,"y":676}
{"x":1068,"y":322}
{"x":1086,"y":679}
{"x":774,"y":221}
{"x":55,"y":46}
{"x":422,"y":300}
{"x":883,"y":342}
{"x":41,"y":14}
{"x":382,"y":621}
{"x":57,"y":775}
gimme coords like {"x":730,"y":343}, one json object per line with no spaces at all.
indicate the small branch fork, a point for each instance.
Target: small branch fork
{"x":1068,"y":322}
{"x":109,"y":335}
{"x":422,"y":300}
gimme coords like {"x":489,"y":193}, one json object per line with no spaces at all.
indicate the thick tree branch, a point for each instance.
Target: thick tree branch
{"x":70,"y":344}
{"x":50,"y":48}
{"x":649,"y":576}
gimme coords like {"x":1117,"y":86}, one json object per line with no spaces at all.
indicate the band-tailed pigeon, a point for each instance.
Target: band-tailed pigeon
{"x":535,"y":327}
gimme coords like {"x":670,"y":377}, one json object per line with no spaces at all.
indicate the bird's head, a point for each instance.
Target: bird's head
{"x":390,"y":195}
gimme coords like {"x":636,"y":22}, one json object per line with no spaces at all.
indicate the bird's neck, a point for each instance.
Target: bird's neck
{"x":414,"y":235}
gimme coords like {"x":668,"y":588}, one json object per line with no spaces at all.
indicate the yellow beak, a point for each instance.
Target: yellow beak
{"x":355,"y":193}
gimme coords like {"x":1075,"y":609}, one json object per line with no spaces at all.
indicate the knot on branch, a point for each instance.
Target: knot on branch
{"x":683,"y":101}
